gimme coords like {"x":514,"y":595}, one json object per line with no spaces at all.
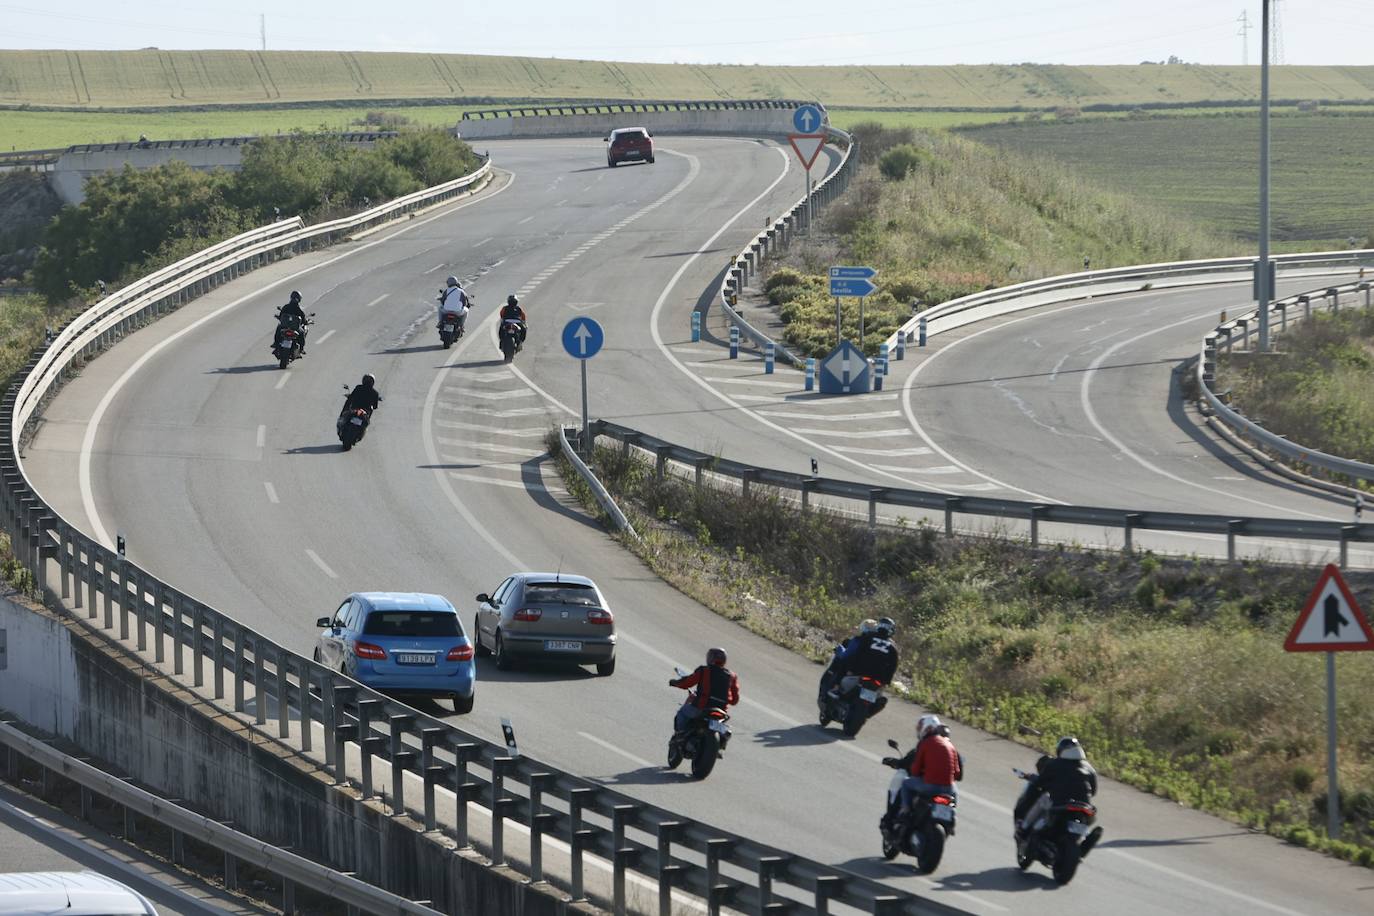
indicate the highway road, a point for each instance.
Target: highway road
{"x":224,"y":475}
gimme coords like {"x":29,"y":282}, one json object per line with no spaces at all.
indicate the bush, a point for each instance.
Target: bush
{"x":901,"y":161}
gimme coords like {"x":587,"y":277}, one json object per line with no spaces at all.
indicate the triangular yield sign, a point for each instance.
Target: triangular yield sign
{"x":1331,"y":621}
{"x":807,"y":147}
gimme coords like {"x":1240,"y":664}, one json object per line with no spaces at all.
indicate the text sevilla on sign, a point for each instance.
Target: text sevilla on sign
{"x":1331,"y":621}
{"x":807,"y":147}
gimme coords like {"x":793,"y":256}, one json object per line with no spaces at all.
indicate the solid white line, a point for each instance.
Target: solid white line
{"x":749,"y":380}
{"x":434,"y":268}
{"x":271,"y":492}
{"x":624,"y":753}
{"x":281,"y":382}
{"x":524,"y":221}
{"x":320,"y":563}
{"x":884,"y":452}
{"x":510,"y":484}
{"x":262,"y":436}
{"x":500,"y":395}
{"x":327,"y":334}
{"x":856,"y":434}
{"x":378,"y":299}
{"x":530,"y":433}
{"x":837,"y":417}
{"x":946,"y":469}
{"x":481,"y":243}
{"x":492,"y":446}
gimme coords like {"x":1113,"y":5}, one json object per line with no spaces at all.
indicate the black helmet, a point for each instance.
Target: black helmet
{"x":295,"y":296}
{"x":369,"y":380}
{"x":1069,"y":748}
{"x":715,"y":656}
{"x":511,"y":300}
{"x":886,"y":627}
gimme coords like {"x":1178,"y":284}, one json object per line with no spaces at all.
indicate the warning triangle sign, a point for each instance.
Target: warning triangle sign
{"x":807,"y":147}
{"x":1331,"y":620}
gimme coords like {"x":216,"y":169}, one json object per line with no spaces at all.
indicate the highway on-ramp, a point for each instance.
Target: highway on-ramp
{"x":224,"y":475}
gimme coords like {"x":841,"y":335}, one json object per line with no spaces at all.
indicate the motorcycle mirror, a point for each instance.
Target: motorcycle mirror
{"x":893,"y":744}
{"x":680,"y":672}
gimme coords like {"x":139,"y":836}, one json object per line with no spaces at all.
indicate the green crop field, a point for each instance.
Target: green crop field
{"x":1208,"y":167}
{"x":149,"y":78}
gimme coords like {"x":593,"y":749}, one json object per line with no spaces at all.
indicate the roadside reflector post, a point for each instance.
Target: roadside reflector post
{"x":734,"y":341}
{"x":696,"y":327}
{"x":920,"y":332}
{"x":768,"y":351}
{"x":810,"y":373}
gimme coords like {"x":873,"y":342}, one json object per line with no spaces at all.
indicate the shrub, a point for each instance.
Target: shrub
{"x":901,"y":161}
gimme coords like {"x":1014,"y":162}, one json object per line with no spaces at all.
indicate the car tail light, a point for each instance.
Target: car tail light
{"x":368,"y":650}
{"x":529,"y":614}
{"x":597,"y":615}
{"x":460,"y":654}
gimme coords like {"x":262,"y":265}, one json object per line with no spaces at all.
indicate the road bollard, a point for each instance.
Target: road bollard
{"x":810,"y":373}
{"x":696,"y":327}
{"x":734,"y":341}
{"x":901,"y":346}
{"x":884,"y":351}
{"x":879,"y":370}
{"x":768,"y":358}
{"x":921,"y":332}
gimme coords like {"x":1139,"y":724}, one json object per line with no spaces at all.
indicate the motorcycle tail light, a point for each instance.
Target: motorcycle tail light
{"x":872,"y":682}
{"x":943,"y":800}
{"x":368,"y":650}
{"x":529,"y":614}
{"x":450,"y":316}
{"x":597,"y":615}
{"x":460,"y":654}
{"x":1081,"y":809}
{"x":288,"y":333}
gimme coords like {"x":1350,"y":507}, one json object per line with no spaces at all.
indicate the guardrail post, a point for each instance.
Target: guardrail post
{"x":806,"y":486}
{"x":696,"y":327}
{"x":827,"y":886}
{"x":578,"y":835}
{"x":661,"y":460}
{"x":238,"y":667}
{"x":621,"y":855}
{"x":343,"y":730}
{"x":768,"y":865}
{"x":1233,"y":527}
{"x":1244,"y":333}
{"x":952,"y":505}
{"x":768,"y":357}
{"x":1283,"y":316}
{"x":140,"y":609}
{"x":283,"y":665}
{"x":366,"y":741}
{"x":1365,"y":287}
{"x":1209,"y":360}
{"x":1306,"y":302}
{"x":231,"y":872}
{"x":431,"y":772}
{"x":92,"y":589}
{"x":399,"y":758}
{"x":700,"y":467}
{"x":717,"y":891}
{"x":499,"y":802}
{"x":1128,"y":525}
{"x":216,"y":656}
{"x":64,"y":566}
{"x":303,"y":677}
{"x":734,"y":341}
{"x":873,"y":496}
{"x":1347,"y":532}
{"x":810,"y":373}
{"x":1035,"y":513}
{"x":1335,"y":296}
{"x":259,"y":682}
{"x":540,"y":821}
{"x":746,"y":476}
{"x":667,"y":871}
{"x":887,"y":904}
{"x":464,"y":790}
{"x":1230,"y":332}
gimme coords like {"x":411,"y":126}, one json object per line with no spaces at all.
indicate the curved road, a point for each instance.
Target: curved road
{"x":224,"y":475}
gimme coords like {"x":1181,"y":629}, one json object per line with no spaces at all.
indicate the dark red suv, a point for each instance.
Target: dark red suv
{"x":629,"y":144}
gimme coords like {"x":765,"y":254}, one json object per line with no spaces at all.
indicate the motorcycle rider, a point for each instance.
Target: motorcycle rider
{"x":452,"y":298}
{"x":933,"y":765}
{"x":1065,"y":777}
{"x":717,"y":687}
{"x":293,"y":316}
{"x":870,"y":654}
{"x":835,"y":670}
{"x":512,"y":311}
{"x":364,"y":395}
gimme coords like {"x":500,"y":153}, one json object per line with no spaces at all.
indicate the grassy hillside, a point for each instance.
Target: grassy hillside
{"x":1207,"y":167}
{"x":101,"y":79}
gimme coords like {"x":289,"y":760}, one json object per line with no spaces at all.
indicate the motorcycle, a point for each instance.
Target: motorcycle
{"x":352,"y":425}
{"x":508,"y":337}
{"x":1058,"y":837}
{"x":852,"y":705}
{"x":921,"y":834}
{"x":286,"y":343}
{"x":702,"y":743}
{"x":453,"y":321}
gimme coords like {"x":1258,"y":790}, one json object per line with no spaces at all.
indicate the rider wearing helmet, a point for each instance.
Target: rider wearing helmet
{"x":933,"y":765}
{"x":364,"y":395}
{"x":716,"y":688}
{"x":293,"y":316}
{"x":452,"y":298}
{"x":512,"y":311}
{"x":1064,"y":778}
{"x":835,"y":670}
{"x":870,"y":654}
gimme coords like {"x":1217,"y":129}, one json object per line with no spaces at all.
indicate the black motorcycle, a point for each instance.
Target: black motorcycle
{"x":352,"y":424}
{"x":702,"y":743}
{"x":452,"y":321}
{"x":290,"y":337}
{"x":509,"y":337}
{"x":1059,"y":837}
{"x":922,"y":832}
{"x":854,"y":706}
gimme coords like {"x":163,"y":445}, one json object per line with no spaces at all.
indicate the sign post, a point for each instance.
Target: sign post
{"x":1331,"y":622}
{"x":582,"y":338}
{"x":807,"y":143}
{"x":852,"y":282}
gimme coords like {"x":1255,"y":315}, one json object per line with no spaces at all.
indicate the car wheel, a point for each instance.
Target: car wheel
{"x":610,"y":163}
{"x":462,"y":705}
{"x":606,"y":669}
{"x":502,"y":659}
{"x":651,"y":160}
{"x":477,"y":638}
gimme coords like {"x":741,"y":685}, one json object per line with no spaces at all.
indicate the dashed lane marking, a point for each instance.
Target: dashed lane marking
{"x":320,"y":563}
{"x":378,"y":299}
{"x":855,"y":434}
{"x":271,"y":492}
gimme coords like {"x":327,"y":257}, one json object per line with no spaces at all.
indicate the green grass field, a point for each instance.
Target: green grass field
{"x":102,"y":79}
{"x":1207,"y":167}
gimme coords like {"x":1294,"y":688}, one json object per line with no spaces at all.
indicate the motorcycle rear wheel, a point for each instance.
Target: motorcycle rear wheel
{"x":708,"y":748}
{"x":855,"y":717}
{"x":932,"y":848}
{"x":1066,"y":858}
{"x":283,"y":361}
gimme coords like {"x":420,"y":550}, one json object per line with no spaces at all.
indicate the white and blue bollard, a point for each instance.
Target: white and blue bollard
{"x":696,"y":327}
{"x":879,"y":370}
{"x":921,"y":333}
{"x":734,"y":341}
{"x":768,"y":358}
{"x":883,"y":350}
{"x":901,"y":345}
{"x":810,"y":373}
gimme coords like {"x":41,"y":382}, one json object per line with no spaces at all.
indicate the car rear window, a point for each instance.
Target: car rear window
{"x":630,"y":135}
{"x":411,"y":623}
{"x":561,"y":593}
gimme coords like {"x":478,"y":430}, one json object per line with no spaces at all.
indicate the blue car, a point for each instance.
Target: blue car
{"x":402,"y":643}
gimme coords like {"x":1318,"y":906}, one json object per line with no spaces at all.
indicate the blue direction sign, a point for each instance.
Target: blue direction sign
{"x":859,"y":288}
{"x":845,"y":371}
{"x":807,"y":119}
{"x":582,"y":338}
{"x":853,"y":273}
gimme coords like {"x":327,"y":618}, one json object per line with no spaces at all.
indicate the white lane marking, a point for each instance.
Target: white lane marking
{"x":320,"y":563}
{"x":486,"y":410}
{"x":709,"y":363}
{"x":1085,"y":399}
{"x":942,"y":469}
{"x":281,"y":382}
{"x":262,"y":436}
{"x":500,"y":395}
{"x":689,"y":351}
{"x":271,"y":492}
{"x":93,"y":424}
{"x":327,"y":334}
{"x":749,"y":380}
{"x":561,"y":202}
{"x":624,"y":753}
{"x":493,"y":446}
{"x":524,"y":221}
{"x":500,"y":375}
{"x":434,"y":268}
{"x":837,"y":417}
{"x":856,"y":434}
{"x":377,"y":300}
{"x":530,"y":433}
{"x":767,"y":399}
{"x":884,"y":452}
{"x":473,"y":462}
{"x":481,"y":243}
{"x":510,"y":484}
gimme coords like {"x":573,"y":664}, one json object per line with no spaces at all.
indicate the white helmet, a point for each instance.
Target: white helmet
{"x":868,"y":626}
{"x":452,"y":281}
{"x":926,"y":724}
{"x":1070,"y":749}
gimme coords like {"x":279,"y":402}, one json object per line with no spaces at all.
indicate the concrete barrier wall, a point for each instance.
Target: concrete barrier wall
{"x":752,"y":122}
{"x":39,"y":671}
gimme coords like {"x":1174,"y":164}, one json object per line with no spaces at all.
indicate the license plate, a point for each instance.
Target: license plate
{"x":562,"y":645}
{"x":449,"y":327}
{"x":942,"y":813}
{"x":868,"y":696}
{"x":357,"y":421}
{"x":410,"y":658}
{"x":1078,"y":827}
{"x":719,"y":727}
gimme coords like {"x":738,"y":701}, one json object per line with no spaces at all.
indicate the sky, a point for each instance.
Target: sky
{"x":798,"y":32}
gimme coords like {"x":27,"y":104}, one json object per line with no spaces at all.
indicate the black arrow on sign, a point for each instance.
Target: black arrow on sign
{"x":1334,"y":618}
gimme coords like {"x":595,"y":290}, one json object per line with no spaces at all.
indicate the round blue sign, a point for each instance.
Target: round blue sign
{"x":582,"y":338}
{"x":807,"y":119}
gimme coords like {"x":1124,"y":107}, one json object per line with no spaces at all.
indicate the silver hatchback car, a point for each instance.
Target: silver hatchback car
{"x":548,"y":617}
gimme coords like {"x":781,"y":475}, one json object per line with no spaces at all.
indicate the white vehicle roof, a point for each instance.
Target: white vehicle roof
{"x":71,"y":893}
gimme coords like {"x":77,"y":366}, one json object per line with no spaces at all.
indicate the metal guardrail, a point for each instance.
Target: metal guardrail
{"x":1206,"y":365}
{"x":632,"y":107}
{"x":778,"y":236}
{"x":1129,"y":520}
{"x":635,"y":836}
{"x":294,"y":870}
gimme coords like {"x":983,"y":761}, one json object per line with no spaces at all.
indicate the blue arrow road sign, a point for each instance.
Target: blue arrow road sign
{"x":582,"y":338}
{"x":858,"y":288}
{"x":853,"y":273}
{"x":807,"y":119}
